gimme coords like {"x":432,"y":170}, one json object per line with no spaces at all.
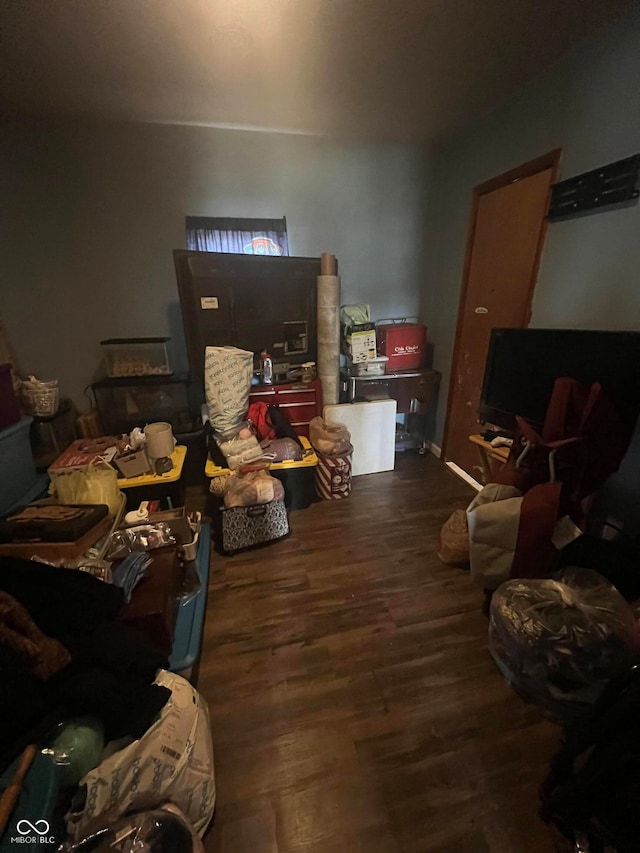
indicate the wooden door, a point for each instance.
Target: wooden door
{"x":505,"y":241}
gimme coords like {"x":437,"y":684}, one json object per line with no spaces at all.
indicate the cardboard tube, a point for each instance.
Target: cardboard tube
{"x":329,"y":337}
{"x":328,"y":265}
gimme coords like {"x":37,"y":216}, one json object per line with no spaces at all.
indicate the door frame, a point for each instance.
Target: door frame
{"x":550,"y":160}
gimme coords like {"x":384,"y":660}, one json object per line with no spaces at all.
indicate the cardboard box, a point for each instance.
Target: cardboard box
{"x":361,"y":341}
{"x":74,"y":459}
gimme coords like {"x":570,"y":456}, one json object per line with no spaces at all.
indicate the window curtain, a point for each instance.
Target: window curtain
{"x":240,"y":236}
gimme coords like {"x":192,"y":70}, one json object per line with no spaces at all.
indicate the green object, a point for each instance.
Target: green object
{"x":77,"y":749}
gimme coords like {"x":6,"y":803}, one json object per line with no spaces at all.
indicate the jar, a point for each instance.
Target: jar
{"x":308,"y":371}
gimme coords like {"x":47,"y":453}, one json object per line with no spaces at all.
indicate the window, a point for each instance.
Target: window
{"x":240,"y":236}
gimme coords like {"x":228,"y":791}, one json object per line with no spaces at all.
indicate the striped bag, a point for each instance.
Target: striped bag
{"x":333,"y":477}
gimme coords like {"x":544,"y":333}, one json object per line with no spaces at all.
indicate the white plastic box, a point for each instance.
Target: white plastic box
{"x":372,"y":367}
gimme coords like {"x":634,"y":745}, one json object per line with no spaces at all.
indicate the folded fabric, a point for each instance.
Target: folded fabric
{"x":61,"y":602}
{"x":130,"y":572}
{"x":493,"y":517}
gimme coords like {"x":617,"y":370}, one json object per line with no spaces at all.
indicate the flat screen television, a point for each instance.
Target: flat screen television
{"x":523,"y":364}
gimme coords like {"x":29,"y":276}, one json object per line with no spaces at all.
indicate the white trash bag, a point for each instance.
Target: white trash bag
{"x":171,"y":762}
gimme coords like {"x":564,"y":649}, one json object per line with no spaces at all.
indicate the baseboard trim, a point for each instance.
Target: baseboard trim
{"x":434,"y":448}
{"x":463,"y":475}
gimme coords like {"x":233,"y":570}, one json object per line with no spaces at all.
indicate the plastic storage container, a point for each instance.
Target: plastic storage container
{"x":196,"y":444}
{"x":18,"y":475}
{"x":190,"y":618}
{"x":298,"y":478}
{"x":404,"y":343}
{"x":36,"y":801}
{"x":126,"y":403}
{"x":136,"y":357}
{"x":372,"y":366}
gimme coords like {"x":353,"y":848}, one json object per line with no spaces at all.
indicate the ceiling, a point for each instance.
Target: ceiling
{"x":378,"y":69}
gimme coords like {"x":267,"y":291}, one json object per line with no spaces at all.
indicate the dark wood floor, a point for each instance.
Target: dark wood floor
{"x":354,"y":705}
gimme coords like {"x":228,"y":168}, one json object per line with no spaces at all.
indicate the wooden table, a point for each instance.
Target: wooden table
{"x":491,"y":458}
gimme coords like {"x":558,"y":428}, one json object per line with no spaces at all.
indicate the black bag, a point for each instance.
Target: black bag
{"x":281,"y":425}
{"x":247,"y":526}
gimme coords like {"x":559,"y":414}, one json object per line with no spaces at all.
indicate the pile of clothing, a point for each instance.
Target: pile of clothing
{"x":63,"y":654}
{"x":75,"y":678}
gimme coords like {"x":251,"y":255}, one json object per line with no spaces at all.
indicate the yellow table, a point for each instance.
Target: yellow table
{"x":157,"y":486}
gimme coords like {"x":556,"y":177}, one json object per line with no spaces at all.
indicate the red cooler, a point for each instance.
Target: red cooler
{"x":404,"y":343}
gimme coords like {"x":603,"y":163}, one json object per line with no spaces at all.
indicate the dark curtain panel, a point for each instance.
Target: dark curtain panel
{"x":240,"y":236}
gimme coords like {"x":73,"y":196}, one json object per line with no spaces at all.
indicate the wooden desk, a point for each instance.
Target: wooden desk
{"x":413,"y":390}
{"x":492,"y":458}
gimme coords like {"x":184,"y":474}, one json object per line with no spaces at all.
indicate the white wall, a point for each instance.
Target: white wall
{"x":588,"y":105}
{"x":94,"y":210}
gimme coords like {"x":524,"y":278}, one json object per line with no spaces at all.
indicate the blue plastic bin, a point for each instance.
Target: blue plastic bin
{"x":18,"y":476}
{"x":190,"y":620}
{"x":36,"y":803}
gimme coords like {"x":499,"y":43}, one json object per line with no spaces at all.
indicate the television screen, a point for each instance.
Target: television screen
{"x":523,"y":364}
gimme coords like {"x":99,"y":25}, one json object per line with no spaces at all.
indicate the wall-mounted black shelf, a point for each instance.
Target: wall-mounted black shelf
{"x":612,"y":184}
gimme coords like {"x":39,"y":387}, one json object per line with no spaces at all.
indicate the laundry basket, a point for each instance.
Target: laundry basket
{"x":41,"y":399}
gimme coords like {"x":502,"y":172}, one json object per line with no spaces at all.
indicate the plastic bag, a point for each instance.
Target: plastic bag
{"x":128,"y":574}
{"x":76,"y":748}
{"x":98,"y":484}
{"x":190,"y":583}
{"x":239,"y":449}
{"x":227,"y":382}
{"x":558,"y":642}
{"x":218,"y":485}
{"x":330,"y":439}
{"x":254,"y":487}
{"x":453,"y":547}
{"x":144,"y":537}
{"x":172,"y":761}
{"x":282,"y":450}
{"x":154,"y":831}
